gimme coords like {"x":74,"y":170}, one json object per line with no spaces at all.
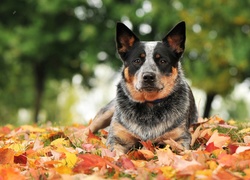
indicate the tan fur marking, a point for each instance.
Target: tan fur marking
{"x":142,"y":55}
{"x":167,"y":81}
{"x":174,"y":42}
{"x":174,"y":134}
{"x":124,"y":135}
{"x":101,"y":120}
{"x":128,"y":77}
{"x":127,"y":42}
{"x":157,"y":56}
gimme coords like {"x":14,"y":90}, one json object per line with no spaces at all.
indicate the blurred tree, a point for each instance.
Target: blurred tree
{"x":218,"y":45}
{"x":39,"y":40}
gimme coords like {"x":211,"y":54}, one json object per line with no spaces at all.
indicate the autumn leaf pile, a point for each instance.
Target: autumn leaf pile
{"x":220,"y":150}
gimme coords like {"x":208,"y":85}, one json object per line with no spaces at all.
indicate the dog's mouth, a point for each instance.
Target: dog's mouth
{"x":149,"y":89}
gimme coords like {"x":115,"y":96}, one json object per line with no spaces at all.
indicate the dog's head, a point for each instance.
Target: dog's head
{"x":150,"y":67}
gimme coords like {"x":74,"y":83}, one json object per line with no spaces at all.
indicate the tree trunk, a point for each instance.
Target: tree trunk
{"x":39,"y":78}
{"x":210,"y":98}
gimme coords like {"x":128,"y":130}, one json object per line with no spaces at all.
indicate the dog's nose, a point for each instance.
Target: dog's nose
{"x":148,"y":77}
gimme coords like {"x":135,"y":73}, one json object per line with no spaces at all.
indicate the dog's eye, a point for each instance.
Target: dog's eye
{"x":137,"y":61}
{"x":162,"y":61}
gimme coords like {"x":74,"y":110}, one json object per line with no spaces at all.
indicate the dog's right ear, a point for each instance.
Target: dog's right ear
{"x":125,"y":38}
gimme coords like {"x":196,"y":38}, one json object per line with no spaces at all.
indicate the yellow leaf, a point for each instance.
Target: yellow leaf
{"x":246,"y":130}
{"x":70,"y":159}
{"x":212,"y":165}
{"x":168,"y":171}
{"x":203,"y":174}
{"x":60,"y":142}
{"x":17,"y":147}
{"x":64,"y":170}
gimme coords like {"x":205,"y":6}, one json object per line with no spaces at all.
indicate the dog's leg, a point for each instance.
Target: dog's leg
{"x":181,"y":135}
{"x":120,"y":139}
{"x":103,"y":117}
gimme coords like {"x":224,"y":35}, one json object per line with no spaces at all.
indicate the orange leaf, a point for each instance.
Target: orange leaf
{"x":6,"y":156}
{"x":147,"y":153}
{"x":136,"y":155}
{"x":226,"y":160}
{"x":9,"y":173}
{"x":224,"y":174}
{"x":148,"y":145}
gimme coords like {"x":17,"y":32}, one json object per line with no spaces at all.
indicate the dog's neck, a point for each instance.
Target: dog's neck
{"x":155,"y":101}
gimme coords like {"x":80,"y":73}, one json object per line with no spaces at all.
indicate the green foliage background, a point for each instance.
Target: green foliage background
{"x":44,"y":42}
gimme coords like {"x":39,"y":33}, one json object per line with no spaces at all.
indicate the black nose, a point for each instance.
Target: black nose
{"x":148,"y":77}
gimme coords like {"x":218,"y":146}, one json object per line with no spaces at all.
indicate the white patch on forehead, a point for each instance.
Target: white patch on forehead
{"x":149,"y":50}
{"x":149,"y":47}
{"x":149,"y":64}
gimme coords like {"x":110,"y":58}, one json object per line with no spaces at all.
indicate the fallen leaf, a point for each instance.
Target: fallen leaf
{"x":165,"y":156}
{"x":126,"y":163}
{"x":147,"y":154}
{"x":9,"y":173}
{"x":168,"y":171}
{"x":6,"y":156}
{"x":227,"y":160}
{"x":211,"y":147}
{"x":148,"y":145}
{"x":246,"y":139}
{"x":218,"y":140}
{"x":241,"y":149}
{"x":21,"y":159}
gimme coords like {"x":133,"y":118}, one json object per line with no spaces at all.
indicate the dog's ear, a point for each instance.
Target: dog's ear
{"x":125,"y":38}
{"x":176,"y":37}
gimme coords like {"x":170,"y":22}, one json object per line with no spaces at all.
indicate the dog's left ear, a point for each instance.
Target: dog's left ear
{"x":125,"y":38}
{"x":175,"y":39}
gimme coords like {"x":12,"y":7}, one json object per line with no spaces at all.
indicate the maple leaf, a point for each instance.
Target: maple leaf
{"x":168,"y":171}
{"x":90,"y":161}
{"x":6,"y":156}
{"x":165,"y":156}
{"x":225,"y":174}
{"x":227,"y":160}
{"x":211,"y":147}
{"x":20,"y":159}
{"x":218,"y":140}
{"x":9,"y":173}
{"x":148,"y":145}
{"x":126,"y":163}
{"x":185,"y":167}
{"x":147,"y":154}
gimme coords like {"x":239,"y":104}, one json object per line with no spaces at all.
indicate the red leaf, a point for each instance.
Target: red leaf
{"x":5,"y":130}
{"x":232,"y":148}
{"x":21,"y":159}
{"x":90,"y":161}
{"x":148,"y":145}
{"x":126,"y":163}
{"x":210,"y":147}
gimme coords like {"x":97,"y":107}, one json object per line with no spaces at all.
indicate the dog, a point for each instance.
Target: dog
{"x":153,"y":100}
